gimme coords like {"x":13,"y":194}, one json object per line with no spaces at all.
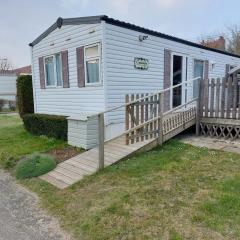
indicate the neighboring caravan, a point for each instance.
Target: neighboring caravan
{"x":82,"y":66}
{"x":8,"y":89}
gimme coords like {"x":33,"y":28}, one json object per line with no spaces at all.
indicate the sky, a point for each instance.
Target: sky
{"x":21,"y":21}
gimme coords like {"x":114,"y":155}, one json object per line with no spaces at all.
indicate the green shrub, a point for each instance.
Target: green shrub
{"x":25,"y":95}
{"x":34,"y":166}
{"x":2,"y":103}
{"x":48,"y":125}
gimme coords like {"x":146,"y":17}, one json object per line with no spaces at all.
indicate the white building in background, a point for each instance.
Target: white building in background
{"x":8,"y":86}
{"x":8,"y":82}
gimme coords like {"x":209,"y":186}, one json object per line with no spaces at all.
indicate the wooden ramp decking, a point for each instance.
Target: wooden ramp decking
{"x":74,"y":169}
{"x":87,"y":163}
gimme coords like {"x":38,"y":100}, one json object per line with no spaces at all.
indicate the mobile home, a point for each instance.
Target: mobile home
{"x":82,"y":66}
{"x":8,"y":86}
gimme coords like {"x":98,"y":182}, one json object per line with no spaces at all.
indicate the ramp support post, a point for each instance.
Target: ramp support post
{"x":160,"y":121}
{"x":198,"y":109}
{"x":101,"y":141}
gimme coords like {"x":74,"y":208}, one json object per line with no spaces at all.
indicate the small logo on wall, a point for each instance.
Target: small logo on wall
{"x":141,"y":63}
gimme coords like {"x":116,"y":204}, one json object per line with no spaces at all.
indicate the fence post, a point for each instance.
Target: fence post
{"x":199,"y":105}
{"x":127,"y":119}
{"x":101,"y":141}
{"x":160,"y":121}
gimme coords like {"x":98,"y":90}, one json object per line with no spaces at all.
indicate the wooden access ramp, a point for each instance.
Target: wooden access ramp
{"x":74,"y":169}
{"x":87,"y":163}
{"x":146,"y":125}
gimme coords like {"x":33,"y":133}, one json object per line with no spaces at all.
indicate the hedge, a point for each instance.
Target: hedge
{"x":48,"y":125}
{"x":2,"y":103}
{"x":25,"y":95}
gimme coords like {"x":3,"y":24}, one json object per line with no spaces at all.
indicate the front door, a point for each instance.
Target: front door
{"x":178,"y":75}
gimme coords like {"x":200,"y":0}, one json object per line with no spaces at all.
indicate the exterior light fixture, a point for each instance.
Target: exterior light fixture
{"x":142,"y":37}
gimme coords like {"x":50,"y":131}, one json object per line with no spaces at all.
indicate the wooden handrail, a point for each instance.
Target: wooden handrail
{"x":179,"y":107}
{"x":101,"y":126}
{"x":158,"y":117}
{"x":142,"y":98}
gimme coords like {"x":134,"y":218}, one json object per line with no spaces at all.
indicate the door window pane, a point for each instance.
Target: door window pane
{"x":177,"y":79}
{"x":49,"y":69}
{"x":198,"y":72}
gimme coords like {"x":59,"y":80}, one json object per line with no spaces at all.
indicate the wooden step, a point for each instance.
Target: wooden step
{"x":84,"y":167}
{"x":74,"y":169}
{"x":61,"y":177}
{"x":66,"y":172}
{"x":55,"y":182}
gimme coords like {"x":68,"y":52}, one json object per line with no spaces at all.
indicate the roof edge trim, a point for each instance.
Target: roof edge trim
{"x":67,"y":21}
{"x":165,"y":36}
{"x":97,"y":19}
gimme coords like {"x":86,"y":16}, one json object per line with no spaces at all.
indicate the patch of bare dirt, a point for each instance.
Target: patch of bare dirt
{"x":64,"y":154}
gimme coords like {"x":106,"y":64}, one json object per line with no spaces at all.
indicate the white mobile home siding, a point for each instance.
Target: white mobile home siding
{"x":122,"y":46}
{"x":119,"y":47}
{"x":73,"y":100}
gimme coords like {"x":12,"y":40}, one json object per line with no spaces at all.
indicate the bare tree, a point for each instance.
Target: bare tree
{"x":216,"y":40}
{"x":5,"y":65}
{"x":233,"y":38}
{"x":228,"y":40}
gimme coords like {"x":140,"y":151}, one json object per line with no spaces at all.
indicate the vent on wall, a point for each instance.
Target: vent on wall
{"x":92,"y":31}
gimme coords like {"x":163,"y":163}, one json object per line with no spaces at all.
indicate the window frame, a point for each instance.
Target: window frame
{"x":196,"y":81}
{"x":97,"y":57}
{"x":200,"y":60}
{"x":55,"y":70}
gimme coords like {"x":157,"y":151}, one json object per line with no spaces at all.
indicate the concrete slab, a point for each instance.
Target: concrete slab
{"x":211,"y":143}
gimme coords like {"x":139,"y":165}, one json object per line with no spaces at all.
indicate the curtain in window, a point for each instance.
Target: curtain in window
{"x":198,"y":72}
{"x":49,"y":68}
{"x":58,"y":69}
{"x":93,"y":71}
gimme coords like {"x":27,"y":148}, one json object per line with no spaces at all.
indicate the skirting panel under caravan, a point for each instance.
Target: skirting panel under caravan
{"x":83,"y":132}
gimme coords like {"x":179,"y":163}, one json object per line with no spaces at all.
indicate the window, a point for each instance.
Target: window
{"x":198,"y":72}
{"x":92,"y":64}
{"x":53,"y":70}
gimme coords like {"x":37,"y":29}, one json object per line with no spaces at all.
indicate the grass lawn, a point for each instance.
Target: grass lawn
{"x":15,"y":142}
{"x":172,"y":192}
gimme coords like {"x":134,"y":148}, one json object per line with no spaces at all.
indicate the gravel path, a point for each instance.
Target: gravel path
{"x":20,"y":216}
